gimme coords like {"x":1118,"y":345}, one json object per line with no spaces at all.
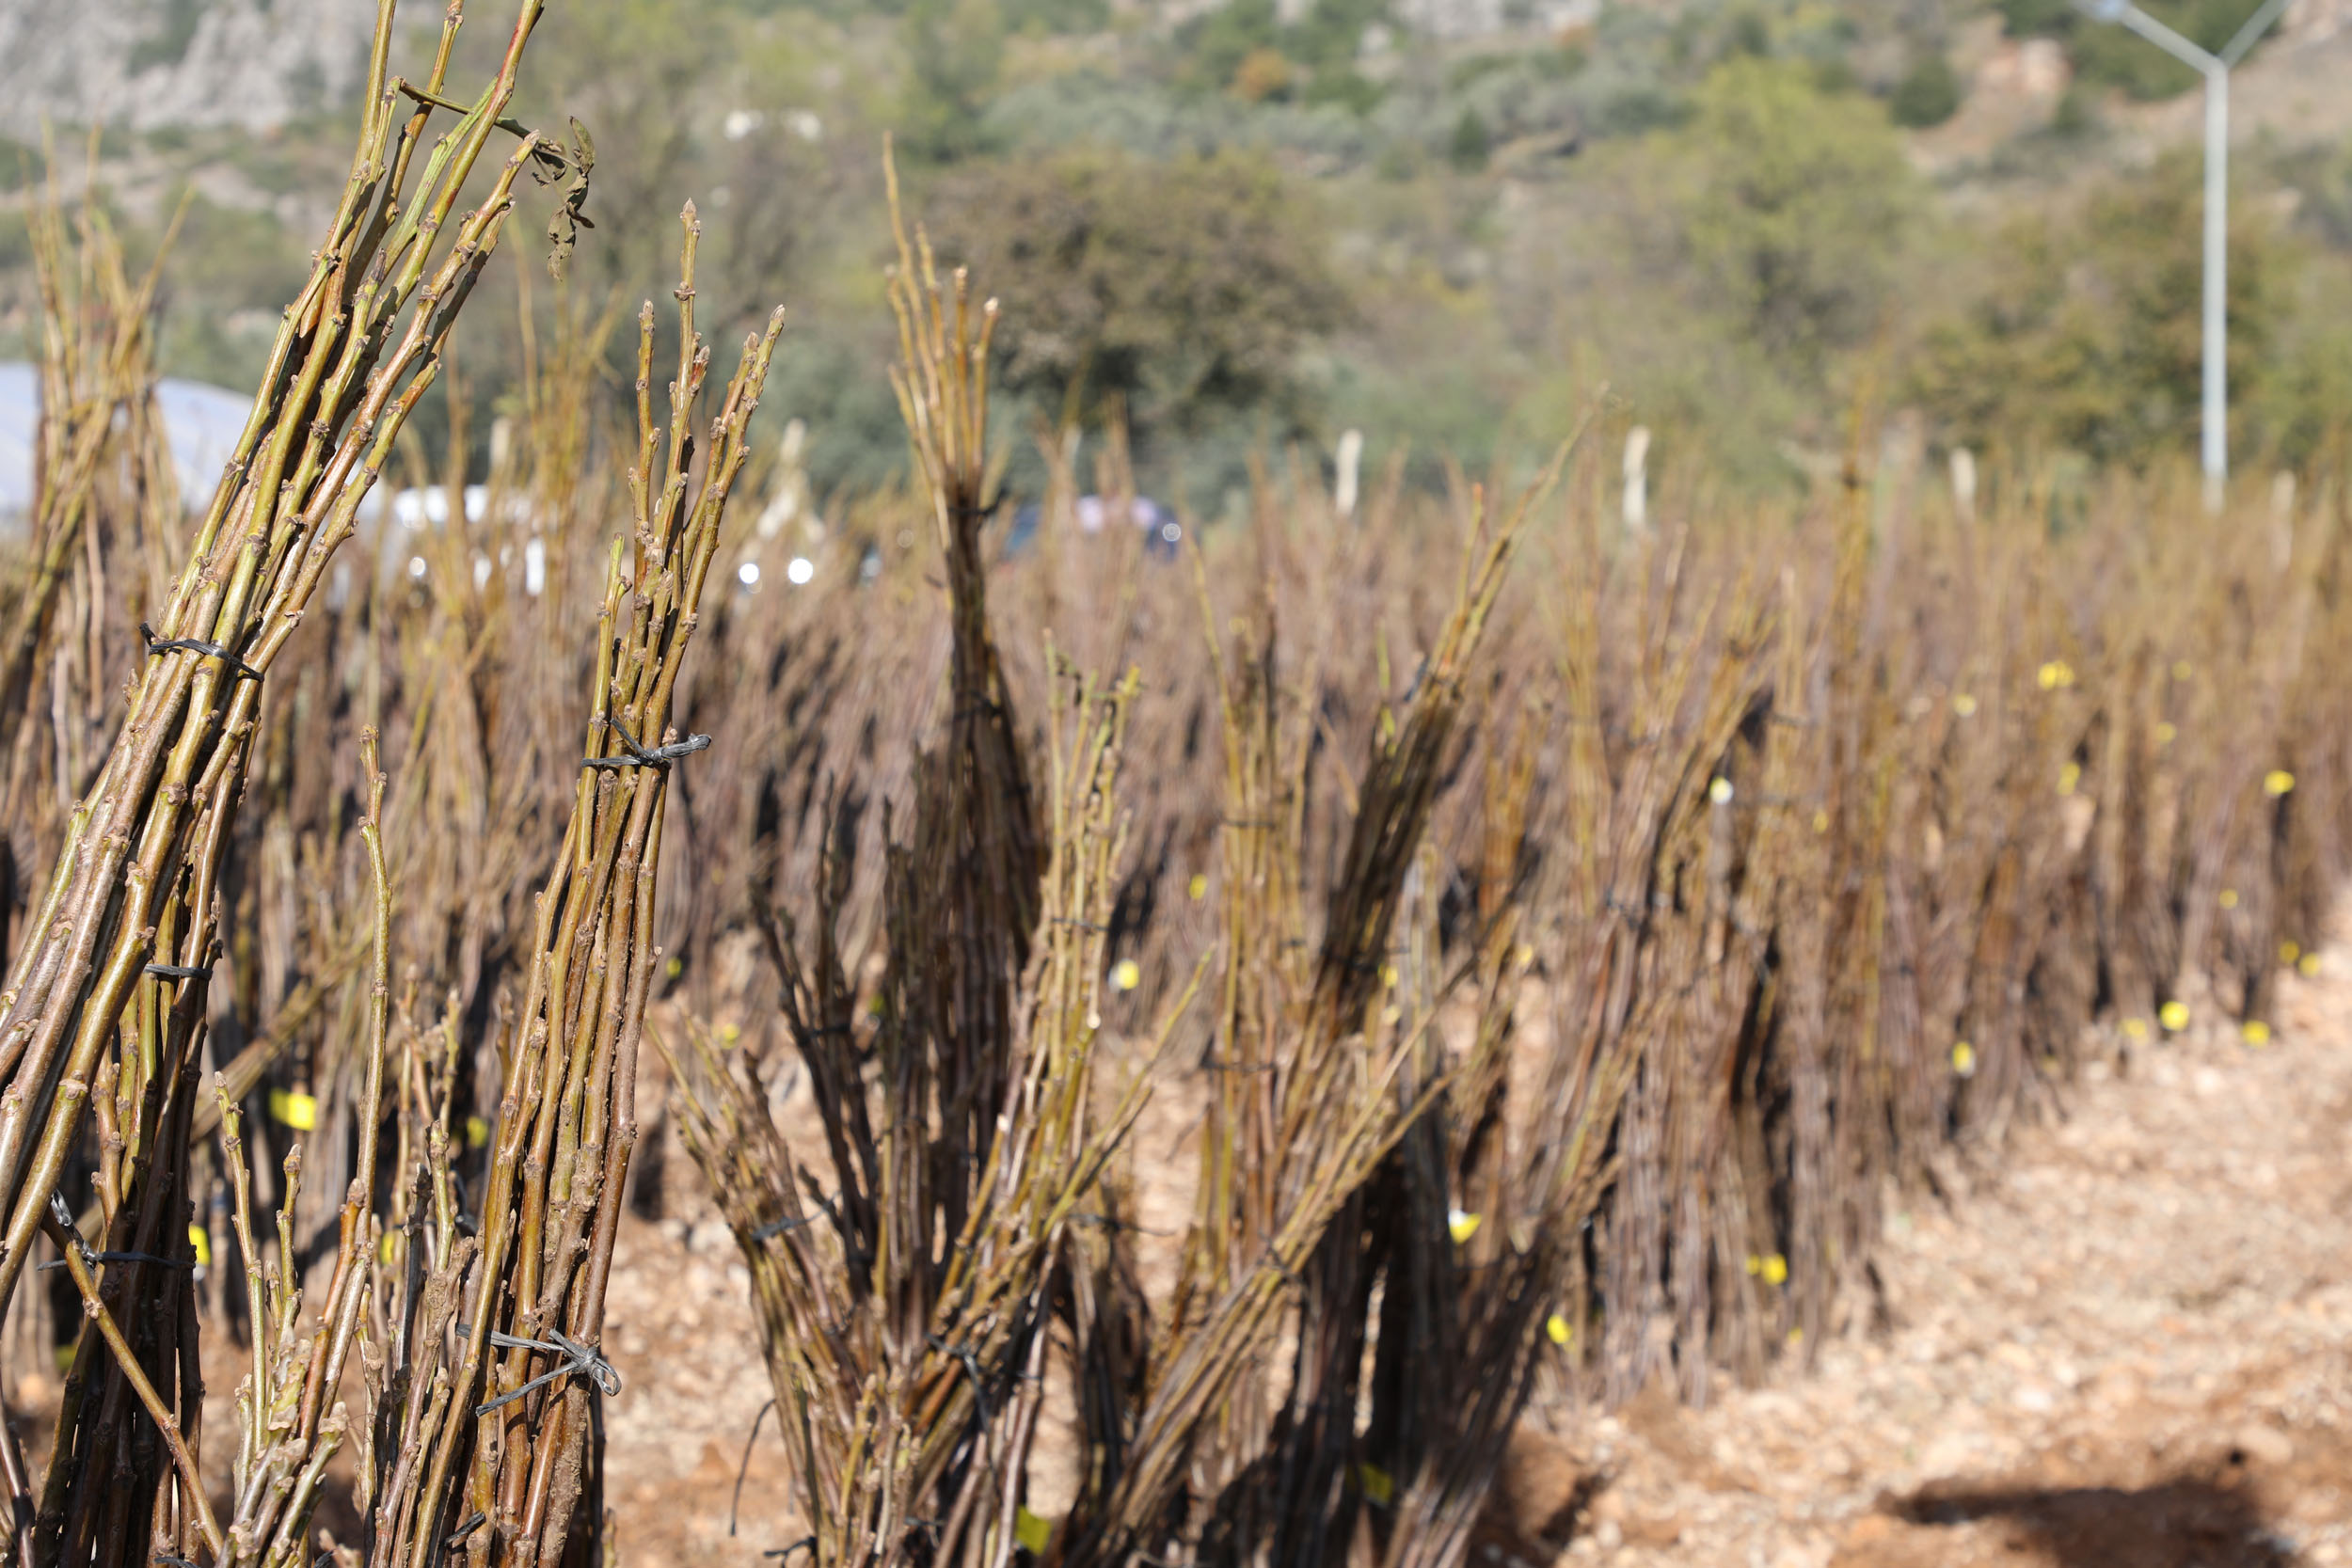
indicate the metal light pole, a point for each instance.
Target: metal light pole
{"x":2216,"y":71}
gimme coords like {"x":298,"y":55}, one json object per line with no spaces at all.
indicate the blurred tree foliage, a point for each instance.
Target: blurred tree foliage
{"x":2114,"y":57}
{"x":1185,"y":289}
{"x":1280,"y":218}
{"x":1796,"y":205}
{"x":1927,"y":95}
{"x":954,"y":49}
{"x":2084,"y":332}
{"x":1246,"y":47}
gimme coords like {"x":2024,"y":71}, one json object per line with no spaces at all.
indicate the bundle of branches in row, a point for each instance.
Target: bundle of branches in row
{"x":904,"y":1312}
{"x":905,"y":1303}
{"x":99,"y":433}
{"x":105,"y":1003}
{"x":496,"y":1445}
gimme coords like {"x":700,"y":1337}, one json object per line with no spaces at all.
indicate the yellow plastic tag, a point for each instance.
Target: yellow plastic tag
{"x":297,"y":1111}
{"x":1775,"y":1270}
{"x":203,"y":1245}
{"x":1557,"y":1326}
{"x":2173,"y":1016}
{"x":2278,"y":782}
{"x":1378,"y":1487}
{"x":384,"y":1247}
{"x":1964,"y":1059}
{"x":1200,"y":885}
{"x":1126,"y":974}
{"x":1461,"y":1225}
{"x":477,"y":1132}
{"x":1031,"y":1531}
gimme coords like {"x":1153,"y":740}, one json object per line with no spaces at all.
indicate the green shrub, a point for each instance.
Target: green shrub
{"x":1469,"y":147}
{"x":1927,"y":95}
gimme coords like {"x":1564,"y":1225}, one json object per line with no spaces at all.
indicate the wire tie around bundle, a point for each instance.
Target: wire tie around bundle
{"x":88,"y":1256}
{"x":157,"y":646}
{"x":577,"y":1358}
{"x":180,"y":972}
{"x":640,"y":757}
{"x":1109,"y":1222}
{"x":971,"y":1364}
{"x":62,"y":1213}
{"x":780,"y":1227}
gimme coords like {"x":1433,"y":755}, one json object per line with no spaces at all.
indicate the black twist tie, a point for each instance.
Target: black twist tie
{"x":89,"y":1257}
{"x":971,"y":1364}
{"x":577,"y":1358}
{"x":157,"y":646}
{"x":474,"y":1521}
{"x":180,"y":972}
{"x":640,"y":757}
{"x":805,"y":1543}
{"x":824,"y":1210}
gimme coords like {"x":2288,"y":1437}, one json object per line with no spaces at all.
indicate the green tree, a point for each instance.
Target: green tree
{"x":1187,"y":288}
{"x":1795,"y":207}
{"x":1927,"y":95}
{"x":2085,"y":332}
{"x":954,"y":49}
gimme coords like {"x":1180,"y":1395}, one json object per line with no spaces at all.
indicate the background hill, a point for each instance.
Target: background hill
{"x":1259,"y":223}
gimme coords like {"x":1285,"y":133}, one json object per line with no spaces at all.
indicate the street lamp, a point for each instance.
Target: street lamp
{"x":2216,"y":71}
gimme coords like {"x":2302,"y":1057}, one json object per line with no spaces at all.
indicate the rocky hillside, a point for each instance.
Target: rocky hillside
{"x":147,"y":64}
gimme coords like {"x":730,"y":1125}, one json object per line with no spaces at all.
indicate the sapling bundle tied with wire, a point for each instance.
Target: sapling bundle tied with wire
{"x":1321,"y":1062}
{"x":905,"y":1328}
{"x":904,"y":1313}
{"x":511,"y":1467}
{"x":105,"y":1002}
{"x":99,"y":440}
